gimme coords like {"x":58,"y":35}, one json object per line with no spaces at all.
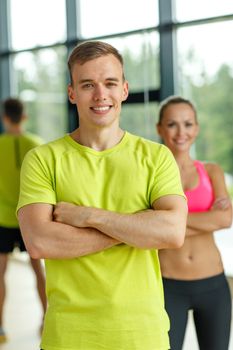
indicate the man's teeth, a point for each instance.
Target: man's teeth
{"x":101,"y":108}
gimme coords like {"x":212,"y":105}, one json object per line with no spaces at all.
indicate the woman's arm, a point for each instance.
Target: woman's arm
{"x":220,"y":214}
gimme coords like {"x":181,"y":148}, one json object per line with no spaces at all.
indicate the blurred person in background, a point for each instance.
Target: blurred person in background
{"x":193,"y":275}
{"x":14,"y":144}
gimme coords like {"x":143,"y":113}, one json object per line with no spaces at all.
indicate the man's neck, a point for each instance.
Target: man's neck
{"x":14,"y":130}
{"x":99,"y":141}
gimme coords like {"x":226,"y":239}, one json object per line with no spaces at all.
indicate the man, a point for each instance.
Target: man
{"x":97,"y":204}
{"x":14,"y":144}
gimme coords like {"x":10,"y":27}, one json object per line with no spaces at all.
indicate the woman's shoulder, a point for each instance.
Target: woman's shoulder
{"x":213,"y":169}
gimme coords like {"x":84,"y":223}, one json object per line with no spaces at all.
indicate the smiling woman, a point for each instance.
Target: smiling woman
{"x":193,"y":275}
{"x":180,"y":126}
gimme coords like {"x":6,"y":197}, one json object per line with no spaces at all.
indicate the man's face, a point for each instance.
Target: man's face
{"x":98,"y":90}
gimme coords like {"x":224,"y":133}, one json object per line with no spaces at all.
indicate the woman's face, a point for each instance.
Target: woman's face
{"x":178,"y":127}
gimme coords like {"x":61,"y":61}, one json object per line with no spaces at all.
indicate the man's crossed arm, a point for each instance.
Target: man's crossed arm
{"x":69,"y":231}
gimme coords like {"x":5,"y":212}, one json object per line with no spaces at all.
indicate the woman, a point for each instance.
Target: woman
{"x":193,"y":275}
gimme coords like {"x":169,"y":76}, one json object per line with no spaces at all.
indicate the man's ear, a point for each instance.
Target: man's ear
{"x":71,"y":94}
{"x":125,"y":91}
{"x":24,"y":117}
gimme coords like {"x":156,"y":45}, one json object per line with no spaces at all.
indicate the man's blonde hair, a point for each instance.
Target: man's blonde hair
{"x":90,"y":50}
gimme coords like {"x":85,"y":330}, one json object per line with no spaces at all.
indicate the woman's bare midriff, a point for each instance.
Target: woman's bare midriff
{"x":198,"y":258}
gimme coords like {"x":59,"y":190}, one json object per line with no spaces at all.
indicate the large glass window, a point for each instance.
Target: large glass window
{"x":35,"y":23}
{"x":206,"y":76}
{"x":196,"y":9}
{"x":104,"y":17}
{"x":199,"y":55}
{"x":39,"y":79}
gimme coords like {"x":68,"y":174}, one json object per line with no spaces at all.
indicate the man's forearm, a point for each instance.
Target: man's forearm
{"x":161,"y":227}
{"x":147,"y":229}
{"x":60,"y":241}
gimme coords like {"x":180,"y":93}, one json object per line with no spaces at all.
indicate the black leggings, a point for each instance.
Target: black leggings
{"x":210,"y":300}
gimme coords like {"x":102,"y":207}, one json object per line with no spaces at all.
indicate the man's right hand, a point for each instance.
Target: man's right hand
{"x":71,"y":214}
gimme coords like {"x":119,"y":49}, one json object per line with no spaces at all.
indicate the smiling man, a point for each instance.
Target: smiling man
{"x":97,"y":204}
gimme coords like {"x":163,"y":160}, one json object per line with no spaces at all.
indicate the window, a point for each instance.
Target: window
{"x":196,"y":9}
{"x":40,"y":81}
{"x":104,"y":17}
{"x":35,"y":23}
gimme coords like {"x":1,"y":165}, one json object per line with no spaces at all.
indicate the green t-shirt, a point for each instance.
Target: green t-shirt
{"x":112,"y":299}
{"x":12,"y":151}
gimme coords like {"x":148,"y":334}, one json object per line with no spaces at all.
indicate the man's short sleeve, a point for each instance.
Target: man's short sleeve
{"x":36,"y":180}
{"x":166,"y":179}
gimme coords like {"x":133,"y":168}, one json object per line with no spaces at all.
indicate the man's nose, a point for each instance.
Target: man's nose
{"x":100,"y":93}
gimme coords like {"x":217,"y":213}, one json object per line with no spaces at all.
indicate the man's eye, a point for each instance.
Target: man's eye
{"x":87,"y":86}
{"x":111,"y":84}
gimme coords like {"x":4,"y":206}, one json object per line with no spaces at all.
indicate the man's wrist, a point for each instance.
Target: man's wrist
{"x":92,"y":216}
{"x":96,"y":218}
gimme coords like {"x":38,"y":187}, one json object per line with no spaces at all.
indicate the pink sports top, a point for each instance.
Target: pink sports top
{"x":201,"y":197}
